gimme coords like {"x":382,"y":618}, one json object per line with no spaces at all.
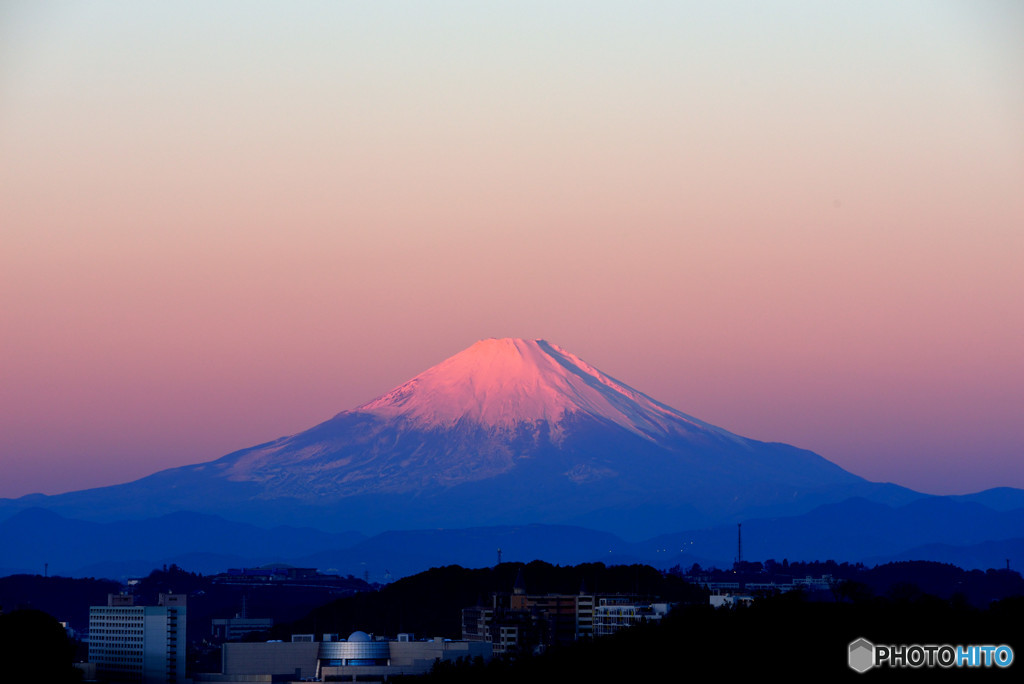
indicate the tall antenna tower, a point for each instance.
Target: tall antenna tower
{"x":499,"y":555}
{"x":739,"y":543}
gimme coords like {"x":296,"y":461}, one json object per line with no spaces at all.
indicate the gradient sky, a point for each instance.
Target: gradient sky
{"x":224,"y":222}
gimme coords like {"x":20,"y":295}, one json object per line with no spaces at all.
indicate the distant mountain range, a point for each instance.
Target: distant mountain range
{"x":856,"y":530}
{"x":505,"y":435}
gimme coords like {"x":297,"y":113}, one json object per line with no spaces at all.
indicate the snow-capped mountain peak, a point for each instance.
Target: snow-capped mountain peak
{"x":500,"y":383}
{"x":508,"y":431}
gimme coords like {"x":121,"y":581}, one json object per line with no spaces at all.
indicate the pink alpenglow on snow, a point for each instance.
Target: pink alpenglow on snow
{"x":508,"y":431}
{"x":504,"y":382}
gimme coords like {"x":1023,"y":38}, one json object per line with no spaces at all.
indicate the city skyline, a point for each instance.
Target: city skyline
{"x":225,"y":224}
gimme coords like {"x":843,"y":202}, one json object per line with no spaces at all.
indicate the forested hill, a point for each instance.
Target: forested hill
{"x":430,"y":603}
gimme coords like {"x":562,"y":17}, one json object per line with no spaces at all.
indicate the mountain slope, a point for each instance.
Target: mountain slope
{"x":508,"y":431}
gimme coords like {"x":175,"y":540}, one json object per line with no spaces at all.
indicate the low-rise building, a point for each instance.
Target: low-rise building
{"x":361,"y":657}
{"x":730,"y":600}
{"x":516,"y":622}
{"x":232,"y":629}
{"x":612,"y":614}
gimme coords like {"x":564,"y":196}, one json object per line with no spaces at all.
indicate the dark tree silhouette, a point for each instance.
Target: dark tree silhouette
{"x":34,"y":647}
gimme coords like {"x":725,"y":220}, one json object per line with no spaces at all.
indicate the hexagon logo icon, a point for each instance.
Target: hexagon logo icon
{"x":862,"y":655}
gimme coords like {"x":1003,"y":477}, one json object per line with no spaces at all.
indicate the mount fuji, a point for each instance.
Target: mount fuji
{"x":508,"y":431}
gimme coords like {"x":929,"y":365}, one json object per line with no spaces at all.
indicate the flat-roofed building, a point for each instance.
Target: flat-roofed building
{"x":612,"y":614}
{"x":361,"y":657}
{"x":232,"y":629}
{"x":292,"y":659}
{"x":130,"y":643}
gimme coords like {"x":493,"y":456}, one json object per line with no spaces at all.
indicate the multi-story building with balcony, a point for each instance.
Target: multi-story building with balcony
{"x":614,"y":613}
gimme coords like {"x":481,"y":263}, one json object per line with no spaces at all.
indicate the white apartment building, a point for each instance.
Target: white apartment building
{"x":130,"y":643}
{"x":613,"y":614}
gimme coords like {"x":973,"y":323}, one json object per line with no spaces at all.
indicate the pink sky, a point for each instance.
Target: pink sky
{"x":222,"y":225}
